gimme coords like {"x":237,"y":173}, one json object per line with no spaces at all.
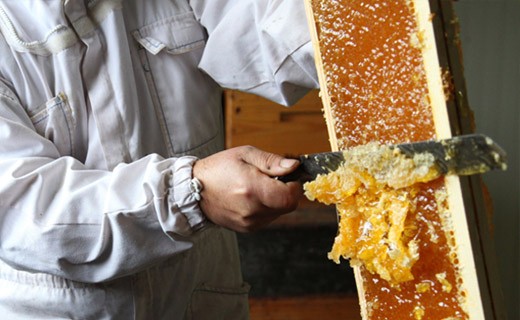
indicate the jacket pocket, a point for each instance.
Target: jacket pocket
{"x":54,"y":120}
{"x":216,"y":303}
{"x":187,"y":101}
{"x":175,"y":35}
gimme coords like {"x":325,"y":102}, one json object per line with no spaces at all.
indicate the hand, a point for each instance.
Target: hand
{"x":240,"y":192}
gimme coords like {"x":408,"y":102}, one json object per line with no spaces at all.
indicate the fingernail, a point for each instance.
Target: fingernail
{"x":288,"y":163}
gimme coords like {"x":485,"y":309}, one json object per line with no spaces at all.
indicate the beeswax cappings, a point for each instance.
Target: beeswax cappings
{"x":374,"y":192}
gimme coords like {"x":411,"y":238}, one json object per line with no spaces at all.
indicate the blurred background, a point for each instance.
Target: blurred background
{"x":490,"y":37}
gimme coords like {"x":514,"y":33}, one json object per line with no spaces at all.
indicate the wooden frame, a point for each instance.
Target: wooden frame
{"x":436,"y":22}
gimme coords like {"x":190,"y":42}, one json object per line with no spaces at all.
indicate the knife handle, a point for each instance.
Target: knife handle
{"x":312,"y":165}
{"x":299,"y":174}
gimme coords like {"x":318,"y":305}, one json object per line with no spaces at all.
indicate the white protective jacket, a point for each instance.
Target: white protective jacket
{"x":104,"y":105}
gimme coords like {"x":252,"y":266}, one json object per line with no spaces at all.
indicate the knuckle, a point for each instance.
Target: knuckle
{"x":246,"y":191}
{"x":247,"y":224}
{"x":291,"y":203}
{"x":246,"y":149}
{"x":269,"y":159}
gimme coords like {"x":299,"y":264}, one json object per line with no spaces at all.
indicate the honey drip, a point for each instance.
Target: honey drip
{"x":377,"y":90}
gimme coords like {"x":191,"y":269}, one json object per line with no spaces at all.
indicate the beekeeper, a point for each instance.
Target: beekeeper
{"x":116,"y":200}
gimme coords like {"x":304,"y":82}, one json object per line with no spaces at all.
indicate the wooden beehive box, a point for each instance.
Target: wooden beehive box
{"x":390,"y":71}
{"x":251,"y":119}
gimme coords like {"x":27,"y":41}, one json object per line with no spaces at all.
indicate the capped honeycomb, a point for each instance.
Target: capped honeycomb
{"x":394,"y":228}
{"x":374,"y":70}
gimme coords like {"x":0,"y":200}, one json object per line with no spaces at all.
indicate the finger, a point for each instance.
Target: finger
{"x":268,"y":163}
{"x":279,"y":197}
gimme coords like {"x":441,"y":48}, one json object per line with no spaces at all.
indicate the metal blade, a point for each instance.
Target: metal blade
{"x":461,"y":155}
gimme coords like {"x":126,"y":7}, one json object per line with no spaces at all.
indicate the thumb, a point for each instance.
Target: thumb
{"x":269,"y":163}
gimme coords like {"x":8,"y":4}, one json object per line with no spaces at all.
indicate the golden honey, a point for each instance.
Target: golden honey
{"x":396,"y":233}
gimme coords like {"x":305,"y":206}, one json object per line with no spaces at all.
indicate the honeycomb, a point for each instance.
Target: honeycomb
{"x":394,"y":227}
{"x":374,"y":191}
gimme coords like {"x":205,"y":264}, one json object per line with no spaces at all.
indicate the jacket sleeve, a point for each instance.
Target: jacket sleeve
{"x":258,"y":46}
{"x":58,"y":217}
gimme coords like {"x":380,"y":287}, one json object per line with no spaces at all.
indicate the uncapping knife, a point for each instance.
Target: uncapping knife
{"x":460,"y":155}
